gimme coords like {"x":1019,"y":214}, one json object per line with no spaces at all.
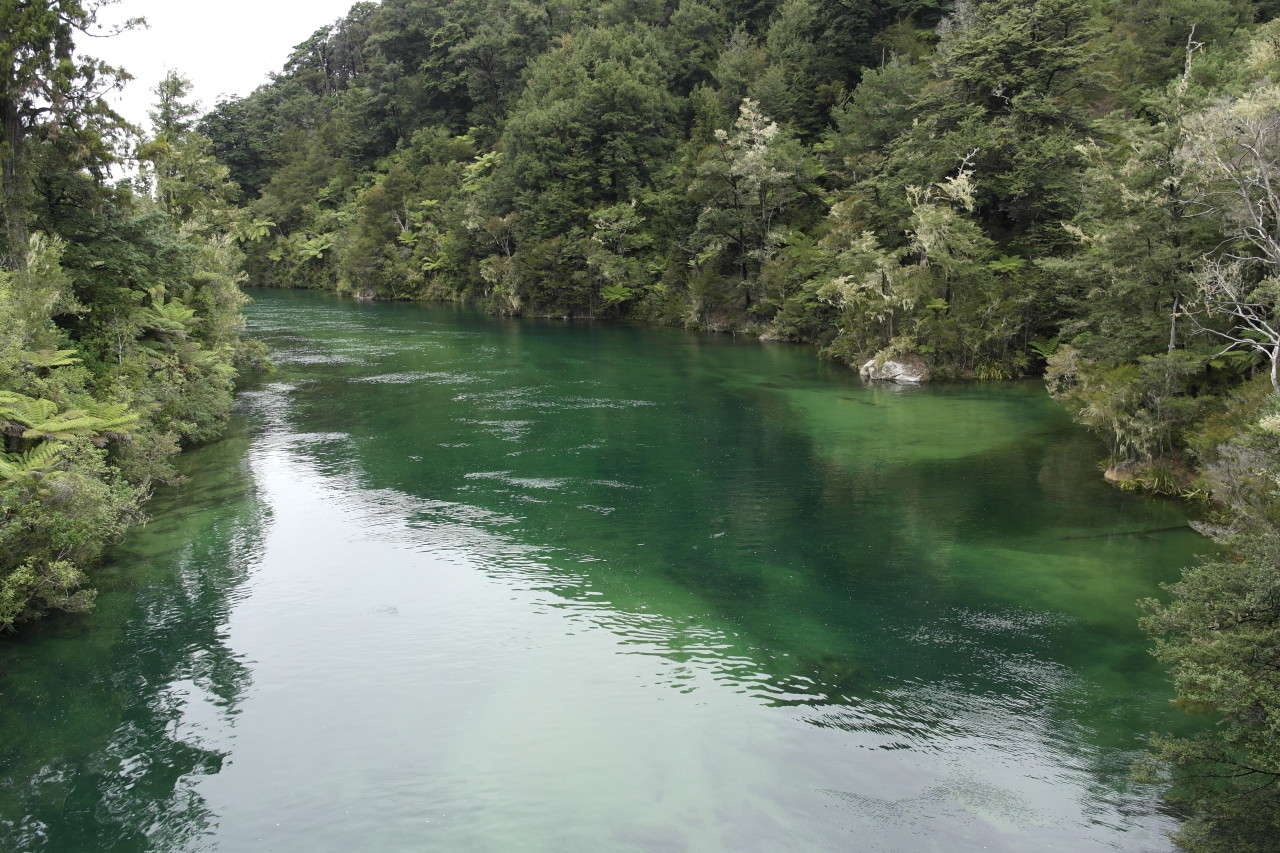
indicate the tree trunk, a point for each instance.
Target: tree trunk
{"x":12,"y":139}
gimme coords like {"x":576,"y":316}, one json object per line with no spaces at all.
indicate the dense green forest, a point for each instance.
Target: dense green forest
{"x":997,"y":189}
{"x":1087,"y":190}
{"x":119,"y":306}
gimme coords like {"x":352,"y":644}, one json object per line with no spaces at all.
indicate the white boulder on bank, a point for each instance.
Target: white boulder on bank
{"x":908,"y":369}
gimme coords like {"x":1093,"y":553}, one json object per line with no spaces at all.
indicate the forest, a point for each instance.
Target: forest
{"x":1084,"y":190}
{"x":119,"y":306}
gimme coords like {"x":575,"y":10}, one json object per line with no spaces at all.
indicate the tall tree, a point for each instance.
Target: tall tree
{"x":1220,"y":637}
{"x":595,"y":121}
{"x":1235,"y":145}
{"x":747,"y":180}
{"x":47,"y":88}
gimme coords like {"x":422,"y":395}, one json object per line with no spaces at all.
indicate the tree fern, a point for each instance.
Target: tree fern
{"x":64,"y":425}
{"x":40,"y":418}
{"x":172,"y":318}
{"x":25,"y":411}
{"x":615,"y":294}
{"x":113,"y":417}
{"x":1045,"y":348}
{"x":48,"y":358}
{"x":40,"y":458}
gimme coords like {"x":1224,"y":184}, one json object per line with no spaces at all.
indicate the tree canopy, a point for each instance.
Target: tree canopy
{"x":119,"y":306}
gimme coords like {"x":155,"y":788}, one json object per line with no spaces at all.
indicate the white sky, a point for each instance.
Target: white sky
{"x":226,"y":47}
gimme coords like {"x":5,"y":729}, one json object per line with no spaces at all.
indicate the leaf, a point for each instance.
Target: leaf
{"x":615,"y":294}
{"x":47,"y":358}
{"x":1007,"y":264}
{"x":23,"y":410}
{"x":1045,"y":348}
{"x":172,"y":317}
{"x":39,"y":458}
{"x":114,"y":417}
{"x":42,"y":419}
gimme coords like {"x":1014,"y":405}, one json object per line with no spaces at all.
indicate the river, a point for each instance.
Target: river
{"x":460,"y":583}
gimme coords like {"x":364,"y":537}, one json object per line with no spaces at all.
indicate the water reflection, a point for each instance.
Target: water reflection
{"x":934,"y":585}
{"x":584,"y":588}
{"x":109,"y":720}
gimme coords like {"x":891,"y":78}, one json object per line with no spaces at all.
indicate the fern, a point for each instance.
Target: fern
{"x":1046,"y":349}
{"x":40,"y":458}
{"x":170,"y":318}
{"x":1007,"y":264}
{"x":25,"y":411}
{"x":615,"y":294}
{"x":113,"y":417}
{"x":41,"y":418}
{"x":64,"y":425}
{"x":47,"y":358}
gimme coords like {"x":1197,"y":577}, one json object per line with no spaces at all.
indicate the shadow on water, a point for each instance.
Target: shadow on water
{"x":813,"y":552}
{"x":108,"y":720}
{"x":935,"y":573}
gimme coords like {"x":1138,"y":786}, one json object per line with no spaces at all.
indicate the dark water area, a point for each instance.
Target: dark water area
{"x":466,"y":584}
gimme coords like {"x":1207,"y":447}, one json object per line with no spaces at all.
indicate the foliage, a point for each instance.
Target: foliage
{"x":119,"y":312}
{"x":1140,"y":410}
{"x":1220,"y":635}
{"x":1235,"y":143}
{"x":55,"y":525}
{"x":49,"y":92}
{"x":997,"y":186}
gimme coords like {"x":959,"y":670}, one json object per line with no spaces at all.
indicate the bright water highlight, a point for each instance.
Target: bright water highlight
{"x":463,"y":584}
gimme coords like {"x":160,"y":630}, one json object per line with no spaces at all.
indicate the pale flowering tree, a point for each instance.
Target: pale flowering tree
{"x":1227,"y":287}
{"x":1234,"y":149}
{"x":746,"y":181}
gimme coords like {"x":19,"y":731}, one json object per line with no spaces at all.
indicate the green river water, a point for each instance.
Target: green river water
{"x":455,"y":583}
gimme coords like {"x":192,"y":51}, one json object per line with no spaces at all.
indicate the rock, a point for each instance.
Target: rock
{"x":908,"y":369}
{"x":1122,"y":473}
{"x":772,"y":335}
{"x":1217,"y":532}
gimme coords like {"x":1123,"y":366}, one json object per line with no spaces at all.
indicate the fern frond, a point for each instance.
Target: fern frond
{"x":172,"y":317}
{"x":65,"y":425}
{"x":49,"y":358}
{"x":39,"y":458}
{"x":114,"y":417}
{"x":25,"y":411}
{"x":42,"y":419}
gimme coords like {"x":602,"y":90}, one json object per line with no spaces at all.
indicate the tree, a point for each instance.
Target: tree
{"x":173,"y":115}
{"x":1132,"y":277}
{"x":1149,"y":38}
{"x":1010,"y":84}
{"x":611,"y":252}
{"x":189,"y":183}
{"x":594,"y":123}
{"x":747,"y":179}
{"x":866,"y":289}
{"x":1139,"y":410}
{"x":1219,"y":634}
{"x":1235,"y":148}
{"x":1228,"y":289}
{"x":46,"y":87}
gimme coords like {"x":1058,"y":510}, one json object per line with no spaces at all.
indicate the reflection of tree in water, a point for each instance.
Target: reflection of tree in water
{"x":915,"y":598}
{"x":108,"y":721}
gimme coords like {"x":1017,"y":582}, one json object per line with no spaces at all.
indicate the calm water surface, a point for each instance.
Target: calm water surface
{"x":461,"y":584}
